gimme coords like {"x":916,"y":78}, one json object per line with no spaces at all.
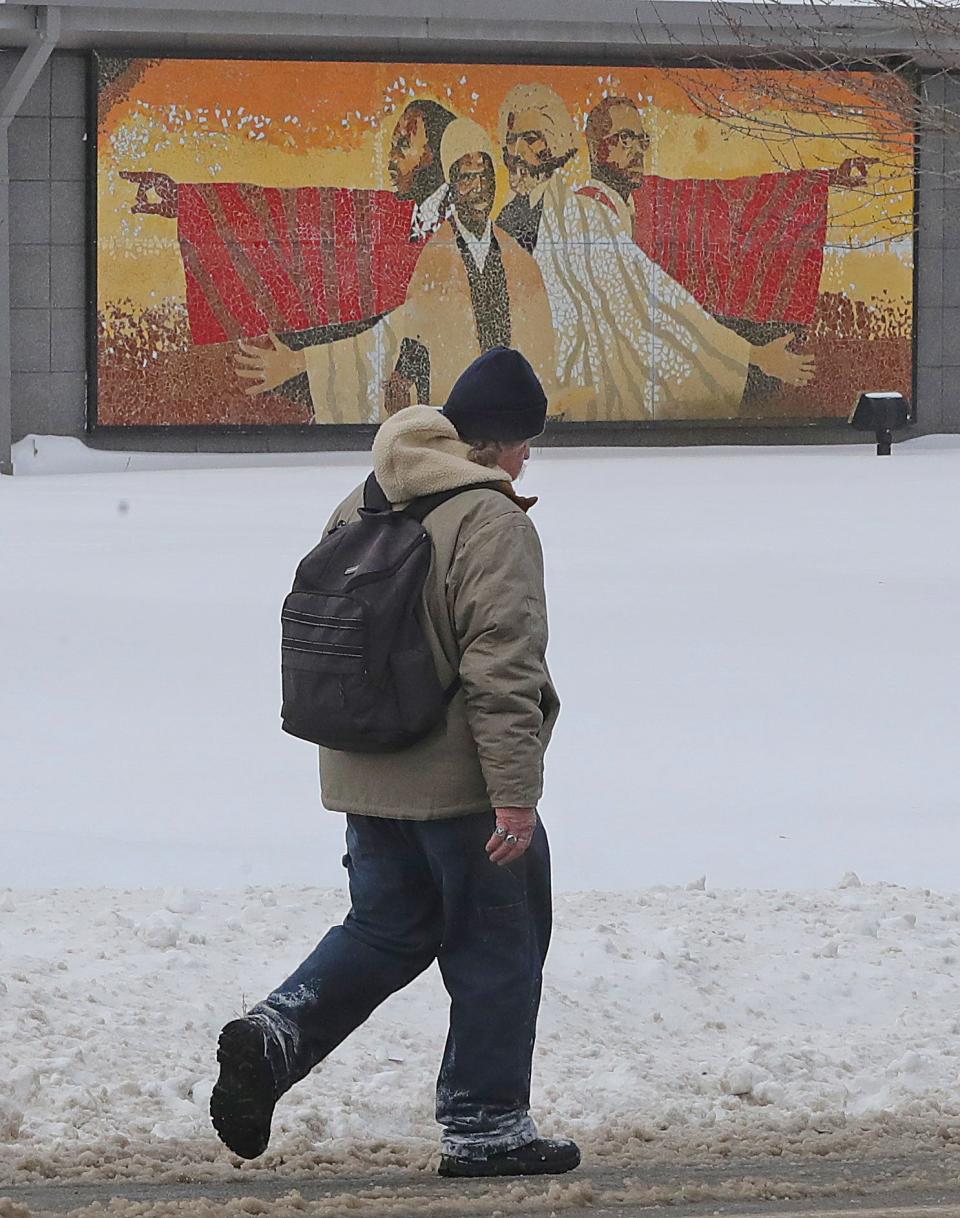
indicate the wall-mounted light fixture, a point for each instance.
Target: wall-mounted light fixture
{"x":882,"y":413}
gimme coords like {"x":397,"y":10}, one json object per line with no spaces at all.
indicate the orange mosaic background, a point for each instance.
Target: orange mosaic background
{"x":258,"y":206}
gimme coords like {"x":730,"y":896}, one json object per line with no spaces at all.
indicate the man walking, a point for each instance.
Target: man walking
{"x":447,"y":858}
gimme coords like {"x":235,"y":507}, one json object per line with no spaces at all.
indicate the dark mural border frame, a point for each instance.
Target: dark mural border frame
{"x":346,"y":437}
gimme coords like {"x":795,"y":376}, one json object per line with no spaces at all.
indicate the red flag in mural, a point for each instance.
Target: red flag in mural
{"x":261,"y":258}
{"x":750,"y":248}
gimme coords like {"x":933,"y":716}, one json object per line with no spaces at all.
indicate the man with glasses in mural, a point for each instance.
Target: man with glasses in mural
{"x":631,"y":342}
{"x":749,"y":249}
{"x":618,"y":144}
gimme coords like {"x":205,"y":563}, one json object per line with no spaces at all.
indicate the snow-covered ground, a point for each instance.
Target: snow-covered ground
{"x":757,"y":651}
{"x":672,"y":1018}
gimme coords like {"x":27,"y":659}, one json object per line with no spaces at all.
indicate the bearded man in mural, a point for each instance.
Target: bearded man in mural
{"x":628,"y":334}
{"x":312,"y":264}
{"x":749,"y":249}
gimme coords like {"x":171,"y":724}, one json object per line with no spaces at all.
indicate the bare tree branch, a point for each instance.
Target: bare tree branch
{"x":792,"y":74}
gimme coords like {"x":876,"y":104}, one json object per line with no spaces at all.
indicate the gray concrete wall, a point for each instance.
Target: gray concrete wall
{"x":938,"y":273}
{"x":48,"y":250}
{"x":48,"y":203}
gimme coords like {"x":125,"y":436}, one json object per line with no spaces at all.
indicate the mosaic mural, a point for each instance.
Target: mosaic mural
{"x":294,"y":242}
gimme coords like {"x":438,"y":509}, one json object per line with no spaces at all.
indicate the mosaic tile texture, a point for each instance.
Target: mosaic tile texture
{"x":300,"y":242}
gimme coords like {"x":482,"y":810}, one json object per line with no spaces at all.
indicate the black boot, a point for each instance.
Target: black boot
{"x":245,"y":1094}
{"x":544,"y":1157}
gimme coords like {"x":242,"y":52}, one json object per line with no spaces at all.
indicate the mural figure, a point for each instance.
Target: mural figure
{"x":312,"y":263}
{"x":415,"y":165}
{"x":749,"y":249}
{"x":474,"y":287}
{"x":622,"y":326}
{"x":635,"y":296}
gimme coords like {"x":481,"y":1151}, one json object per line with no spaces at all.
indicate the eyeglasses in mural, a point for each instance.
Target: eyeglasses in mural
{"x":304,"y":242}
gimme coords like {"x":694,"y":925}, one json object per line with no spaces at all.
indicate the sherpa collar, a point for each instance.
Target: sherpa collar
{"x":418,"y":452}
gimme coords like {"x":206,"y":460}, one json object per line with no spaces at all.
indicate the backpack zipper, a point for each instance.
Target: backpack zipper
{"x":320,"y":649}
{"x":301,"y":617}
{"x":360,"y":580}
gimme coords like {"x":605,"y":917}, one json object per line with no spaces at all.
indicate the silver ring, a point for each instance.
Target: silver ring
{"x":511,"y":839}
{"x":499,"y":831}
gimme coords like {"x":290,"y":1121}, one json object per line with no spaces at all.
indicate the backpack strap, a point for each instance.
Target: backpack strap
{"x":374,"y":500}
{"x":420,"y":509}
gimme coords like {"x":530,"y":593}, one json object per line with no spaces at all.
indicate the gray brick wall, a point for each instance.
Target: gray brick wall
{"x":48,"y":286}
{"x":949,"y":256}
{"x":929,"y":277}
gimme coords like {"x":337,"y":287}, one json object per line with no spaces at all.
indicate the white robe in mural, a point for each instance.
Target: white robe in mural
{"x":631,"y":342}
{"x":346,"y":377}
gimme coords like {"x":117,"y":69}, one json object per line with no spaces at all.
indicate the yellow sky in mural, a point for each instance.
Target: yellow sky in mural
{"x":309,"y":123}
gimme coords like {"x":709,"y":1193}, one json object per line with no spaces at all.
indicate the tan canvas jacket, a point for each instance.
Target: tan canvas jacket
{"x":484,"y":615}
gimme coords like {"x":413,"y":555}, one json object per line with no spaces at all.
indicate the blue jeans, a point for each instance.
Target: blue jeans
{"x":422,"y":891}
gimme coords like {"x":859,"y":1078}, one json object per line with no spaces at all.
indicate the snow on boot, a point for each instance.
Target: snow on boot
{"x":244,"y":1096}
{"x":544,"y":1157}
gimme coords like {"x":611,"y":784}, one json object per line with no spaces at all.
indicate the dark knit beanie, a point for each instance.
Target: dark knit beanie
{"x":499,"y":397}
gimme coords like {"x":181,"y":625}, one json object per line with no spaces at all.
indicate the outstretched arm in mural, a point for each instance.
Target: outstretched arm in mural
{"x":267,"y":368}
{"x":749,"y":249}
{"x":306,"y":260}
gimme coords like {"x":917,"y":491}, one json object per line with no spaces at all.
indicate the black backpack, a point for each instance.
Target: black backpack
{"x":358,"y":674}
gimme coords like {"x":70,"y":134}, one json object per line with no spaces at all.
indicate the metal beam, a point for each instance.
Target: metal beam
{"x":549,"y":28}
{"x":24,"y":75}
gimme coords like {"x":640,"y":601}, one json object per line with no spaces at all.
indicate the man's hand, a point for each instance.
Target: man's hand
{"x":512,"y":835}
{"x":775,"y":360}
{"x":165,"y":188}
{"x":270,"y":367}
{"x":852,"y":172}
